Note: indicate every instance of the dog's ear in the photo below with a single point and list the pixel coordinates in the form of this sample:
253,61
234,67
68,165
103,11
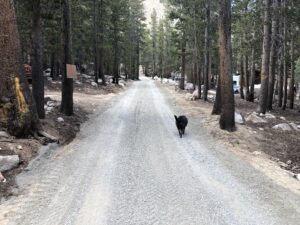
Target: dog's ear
175,117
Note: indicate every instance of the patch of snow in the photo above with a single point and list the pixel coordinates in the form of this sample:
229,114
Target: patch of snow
270,116
238,118
4,134
189,86
60,120
282,126
94,84
294,126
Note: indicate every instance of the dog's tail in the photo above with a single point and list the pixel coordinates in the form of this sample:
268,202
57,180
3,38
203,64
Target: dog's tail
176,118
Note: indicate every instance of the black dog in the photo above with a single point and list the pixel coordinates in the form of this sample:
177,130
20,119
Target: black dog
181,123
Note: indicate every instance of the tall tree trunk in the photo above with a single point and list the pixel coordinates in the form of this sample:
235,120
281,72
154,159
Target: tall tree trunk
199,79
96,67
252,84
227,121
280,79
272,57
37,64
67,83
183,52
116,57
17,108
265,60
246,73
285,66
292,80
138,59
242,77
101,44
206,52
217,109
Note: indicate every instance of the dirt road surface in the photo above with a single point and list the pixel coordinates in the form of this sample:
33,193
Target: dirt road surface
129,166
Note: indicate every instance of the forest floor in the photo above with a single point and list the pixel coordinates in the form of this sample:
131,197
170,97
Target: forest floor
87,98
260,140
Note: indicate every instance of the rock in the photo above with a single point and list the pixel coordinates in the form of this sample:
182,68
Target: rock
282,118
262,115
255,119
298,176
19,147
78,82
60,120
8,162
94,84
99,81
294,126
4,99
261,129
289,162
238,118
2,178
196,94
256,153
49,109
282,126
51,103
282,164
3,134
156,78
270,116
189,97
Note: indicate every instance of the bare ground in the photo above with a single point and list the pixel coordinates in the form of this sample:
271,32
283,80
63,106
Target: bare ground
266,148
87,99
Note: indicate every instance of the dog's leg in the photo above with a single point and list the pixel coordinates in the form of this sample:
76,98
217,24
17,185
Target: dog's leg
180,134
183,131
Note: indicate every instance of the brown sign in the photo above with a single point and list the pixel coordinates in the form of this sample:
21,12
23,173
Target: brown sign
71,71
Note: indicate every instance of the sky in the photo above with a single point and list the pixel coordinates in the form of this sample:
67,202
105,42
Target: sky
153,4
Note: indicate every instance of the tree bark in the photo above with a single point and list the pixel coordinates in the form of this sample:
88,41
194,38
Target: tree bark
285,66
101,44
252,84
227,121
183,52
37,63
217,109
292,80
280,80
67,83
246,73
18,114
96,67
272,56
242,77
206,52
265,60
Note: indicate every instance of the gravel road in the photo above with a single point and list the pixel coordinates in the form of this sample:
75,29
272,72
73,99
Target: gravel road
128,166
